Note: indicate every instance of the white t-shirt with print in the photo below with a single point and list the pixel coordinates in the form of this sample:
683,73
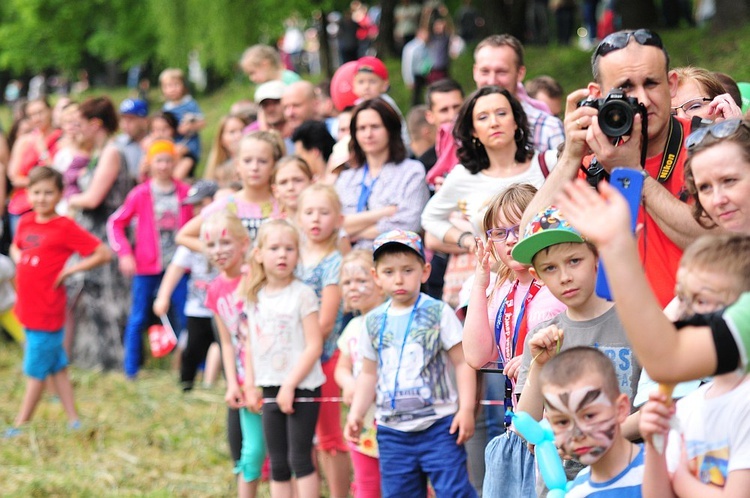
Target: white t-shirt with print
417,359
277,337
716,432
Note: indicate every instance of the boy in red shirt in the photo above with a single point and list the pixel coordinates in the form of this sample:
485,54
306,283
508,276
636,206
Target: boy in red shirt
42,245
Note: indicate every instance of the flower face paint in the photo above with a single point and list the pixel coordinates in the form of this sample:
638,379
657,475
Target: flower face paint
358,287
584,421
223,250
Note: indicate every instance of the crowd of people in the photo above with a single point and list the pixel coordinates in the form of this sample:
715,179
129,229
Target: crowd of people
436,272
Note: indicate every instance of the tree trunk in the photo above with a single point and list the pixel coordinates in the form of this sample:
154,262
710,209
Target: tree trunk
637,14
504,16
730,13
385,44
326,67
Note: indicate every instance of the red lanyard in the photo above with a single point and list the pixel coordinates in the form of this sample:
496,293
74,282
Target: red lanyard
514,336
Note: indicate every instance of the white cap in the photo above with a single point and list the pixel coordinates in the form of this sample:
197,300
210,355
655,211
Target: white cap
269,90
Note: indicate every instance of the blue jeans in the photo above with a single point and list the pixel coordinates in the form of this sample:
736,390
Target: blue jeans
589,17
408,459
143,290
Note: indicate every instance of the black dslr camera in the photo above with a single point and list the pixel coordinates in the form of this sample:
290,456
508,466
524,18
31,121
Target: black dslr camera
616,116
616,112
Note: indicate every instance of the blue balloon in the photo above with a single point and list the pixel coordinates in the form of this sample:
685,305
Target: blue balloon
550,465
528,427
547,457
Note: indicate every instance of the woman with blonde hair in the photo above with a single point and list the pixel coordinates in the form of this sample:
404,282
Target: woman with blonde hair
700,94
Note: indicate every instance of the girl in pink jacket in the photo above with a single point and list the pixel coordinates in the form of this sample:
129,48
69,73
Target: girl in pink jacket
155,211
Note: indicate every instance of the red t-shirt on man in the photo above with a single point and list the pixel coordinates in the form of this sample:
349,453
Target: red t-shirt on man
45,248
661,256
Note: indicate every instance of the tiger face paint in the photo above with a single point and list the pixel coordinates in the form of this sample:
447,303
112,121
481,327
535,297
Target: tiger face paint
584,421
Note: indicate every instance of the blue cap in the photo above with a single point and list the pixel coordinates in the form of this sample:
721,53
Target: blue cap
134,107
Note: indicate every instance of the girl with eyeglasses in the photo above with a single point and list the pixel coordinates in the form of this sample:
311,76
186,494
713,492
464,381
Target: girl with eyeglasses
505,303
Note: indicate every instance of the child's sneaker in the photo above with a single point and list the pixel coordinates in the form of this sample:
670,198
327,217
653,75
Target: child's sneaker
12,432
74,425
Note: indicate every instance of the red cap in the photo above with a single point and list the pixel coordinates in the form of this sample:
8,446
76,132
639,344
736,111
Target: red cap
373,65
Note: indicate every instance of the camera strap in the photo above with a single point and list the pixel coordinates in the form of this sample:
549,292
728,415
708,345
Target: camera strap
671,150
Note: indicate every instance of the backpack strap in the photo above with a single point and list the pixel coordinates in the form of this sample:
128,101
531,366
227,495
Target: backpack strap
543,164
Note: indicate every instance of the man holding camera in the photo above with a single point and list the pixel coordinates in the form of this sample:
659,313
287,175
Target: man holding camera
637,63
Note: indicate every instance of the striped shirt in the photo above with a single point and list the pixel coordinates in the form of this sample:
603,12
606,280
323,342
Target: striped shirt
625,485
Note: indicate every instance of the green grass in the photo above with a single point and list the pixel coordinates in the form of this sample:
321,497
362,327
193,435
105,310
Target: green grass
141,438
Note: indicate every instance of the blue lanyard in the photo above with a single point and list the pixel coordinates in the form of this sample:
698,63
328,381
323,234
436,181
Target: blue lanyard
500,320
403,345
519,320
365,190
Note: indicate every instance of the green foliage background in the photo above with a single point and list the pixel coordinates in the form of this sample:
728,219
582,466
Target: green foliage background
62,35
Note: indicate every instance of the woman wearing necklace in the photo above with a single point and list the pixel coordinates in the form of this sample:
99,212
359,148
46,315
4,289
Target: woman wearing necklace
383,190
495,152
98,298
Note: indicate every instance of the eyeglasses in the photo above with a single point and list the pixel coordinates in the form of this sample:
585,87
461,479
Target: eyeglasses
691,106
722,129
502,234
705,301
619,40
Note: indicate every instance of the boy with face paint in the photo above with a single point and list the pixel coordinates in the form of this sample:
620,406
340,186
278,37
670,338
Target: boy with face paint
713,421
567,265
585,408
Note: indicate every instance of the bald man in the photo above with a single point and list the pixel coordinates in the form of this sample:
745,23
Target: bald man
298,102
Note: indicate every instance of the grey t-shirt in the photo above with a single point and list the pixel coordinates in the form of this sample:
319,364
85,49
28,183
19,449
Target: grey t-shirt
167,216
605,333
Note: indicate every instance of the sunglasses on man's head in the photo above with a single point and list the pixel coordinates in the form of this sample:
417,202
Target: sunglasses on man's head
722,129
620,40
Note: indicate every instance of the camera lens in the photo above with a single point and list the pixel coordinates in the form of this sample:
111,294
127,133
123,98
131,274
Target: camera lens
616,118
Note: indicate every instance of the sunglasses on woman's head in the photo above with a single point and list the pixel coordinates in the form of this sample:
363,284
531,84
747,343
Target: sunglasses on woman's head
620,40
722,129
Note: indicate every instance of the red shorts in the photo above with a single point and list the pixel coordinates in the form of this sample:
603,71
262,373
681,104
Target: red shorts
329,430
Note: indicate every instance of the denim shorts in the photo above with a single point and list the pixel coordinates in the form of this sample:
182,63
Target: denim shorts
408,459
44,354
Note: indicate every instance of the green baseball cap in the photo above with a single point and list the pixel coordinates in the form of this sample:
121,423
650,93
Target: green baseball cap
546,229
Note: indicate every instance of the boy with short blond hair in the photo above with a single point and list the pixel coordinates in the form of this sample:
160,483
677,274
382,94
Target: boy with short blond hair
406,346
41,247
567,265
585,408
181,104
714,420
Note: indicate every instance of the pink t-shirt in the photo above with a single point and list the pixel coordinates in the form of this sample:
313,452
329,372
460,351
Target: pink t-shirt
222,299
543,307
